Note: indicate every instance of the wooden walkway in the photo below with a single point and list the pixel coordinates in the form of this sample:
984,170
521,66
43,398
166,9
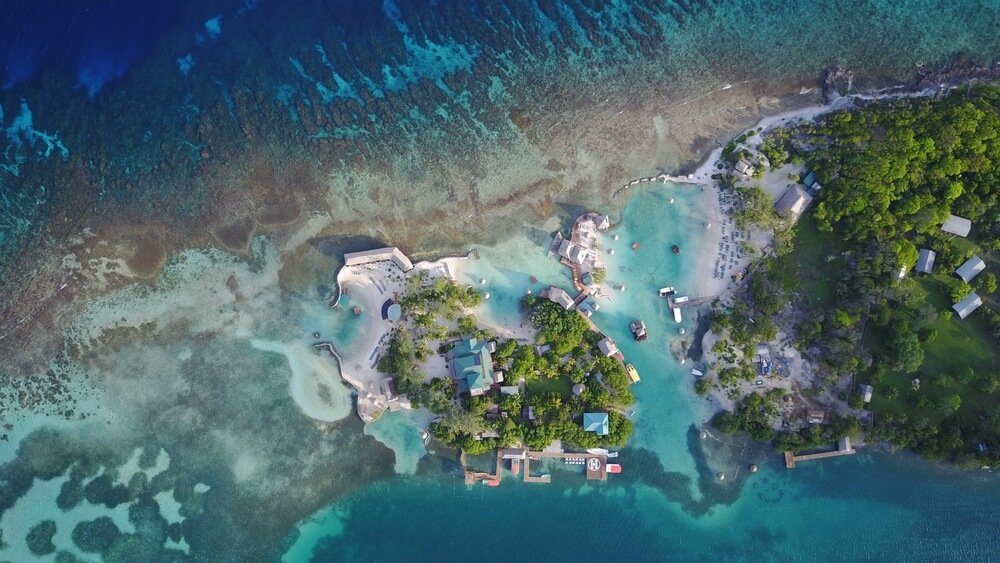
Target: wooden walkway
843,448
596,465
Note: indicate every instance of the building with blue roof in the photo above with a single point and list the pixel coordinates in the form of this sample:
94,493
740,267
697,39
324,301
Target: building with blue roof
472,362
596,422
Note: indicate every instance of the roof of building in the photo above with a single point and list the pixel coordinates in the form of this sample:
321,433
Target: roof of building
578,389
572,252
794,200
966,306
377,255
925,262
596,422
510,390
743,166
472,362
513,453
957,226
810,179
607,346
559,296
971,268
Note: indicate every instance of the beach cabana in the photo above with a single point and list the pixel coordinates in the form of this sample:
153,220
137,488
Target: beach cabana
744,167
957,226
559,296
966,306
793,202
925,262
607,346
596,422
970,269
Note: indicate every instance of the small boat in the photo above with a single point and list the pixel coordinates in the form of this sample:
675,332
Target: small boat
633,375
614,468
666,291
697,372
638,329
677,314
492,483
681,299
597,451
612,454
675,249
545,476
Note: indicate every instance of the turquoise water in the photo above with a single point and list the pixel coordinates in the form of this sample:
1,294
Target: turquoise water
870,507
667,504
431,125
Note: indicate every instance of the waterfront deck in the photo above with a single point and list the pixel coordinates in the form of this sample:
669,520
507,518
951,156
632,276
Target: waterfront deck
843,448
596,466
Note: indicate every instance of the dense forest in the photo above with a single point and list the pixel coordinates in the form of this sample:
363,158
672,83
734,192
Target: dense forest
891,174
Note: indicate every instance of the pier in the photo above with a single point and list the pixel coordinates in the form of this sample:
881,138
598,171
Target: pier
843,448
596,466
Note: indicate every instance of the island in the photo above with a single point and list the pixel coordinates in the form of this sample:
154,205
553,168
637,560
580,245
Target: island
555,383
872,314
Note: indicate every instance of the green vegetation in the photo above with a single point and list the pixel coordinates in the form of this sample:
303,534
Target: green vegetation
891,174
547,410
753,415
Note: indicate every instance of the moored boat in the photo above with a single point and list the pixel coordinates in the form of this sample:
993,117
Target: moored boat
666,291
675,249
614,468
697,372
638,329
633,375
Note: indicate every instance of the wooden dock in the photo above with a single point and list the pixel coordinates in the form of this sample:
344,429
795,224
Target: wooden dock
843,448
596,465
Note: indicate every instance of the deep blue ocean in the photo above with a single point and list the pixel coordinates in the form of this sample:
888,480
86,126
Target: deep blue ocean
164,435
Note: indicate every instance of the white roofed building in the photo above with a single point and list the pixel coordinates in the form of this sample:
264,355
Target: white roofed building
957,226
559,296
390,253
607,346
966,306
925,262
793,202
970,269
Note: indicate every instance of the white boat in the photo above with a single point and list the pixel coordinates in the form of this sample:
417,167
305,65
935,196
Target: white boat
677,314
666,291
682,299
597,451
697,372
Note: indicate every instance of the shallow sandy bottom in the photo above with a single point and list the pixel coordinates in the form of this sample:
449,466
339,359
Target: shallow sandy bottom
315,385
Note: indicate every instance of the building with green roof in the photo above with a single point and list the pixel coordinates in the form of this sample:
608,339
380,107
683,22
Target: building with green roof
596,422
472,362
